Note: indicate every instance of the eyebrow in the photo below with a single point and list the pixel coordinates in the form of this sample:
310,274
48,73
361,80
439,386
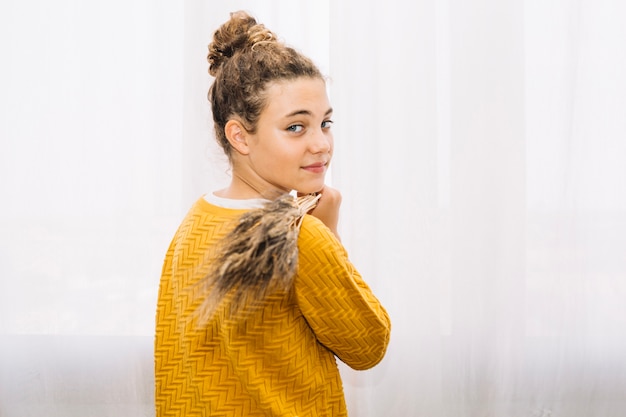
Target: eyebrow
307,113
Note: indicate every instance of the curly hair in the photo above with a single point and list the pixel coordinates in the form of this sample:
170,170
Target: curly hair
244,57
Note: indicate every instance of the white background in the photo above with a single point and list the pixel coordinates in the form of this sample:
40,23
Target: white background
480,149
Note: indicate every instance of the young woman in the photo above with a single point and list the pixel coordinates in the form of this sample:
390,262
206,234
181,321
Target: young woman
257,295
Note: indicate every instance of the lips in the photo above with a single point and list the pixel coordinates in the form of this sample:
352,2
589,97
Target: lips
317,168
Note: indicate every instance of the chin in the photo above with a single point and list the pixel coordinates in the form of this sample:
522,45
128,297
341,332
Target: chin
310,189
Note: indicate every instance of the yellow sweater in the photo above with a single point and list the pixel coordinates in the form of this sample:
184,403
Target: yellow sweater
281,360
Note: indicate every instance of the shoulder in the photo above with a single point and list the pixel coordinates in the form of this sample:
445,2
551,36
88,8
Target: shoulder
316,240
204,212
206,218
314,228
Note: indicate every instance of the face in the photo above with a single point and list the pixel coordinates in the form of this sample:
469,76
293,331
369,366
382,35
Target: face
293,144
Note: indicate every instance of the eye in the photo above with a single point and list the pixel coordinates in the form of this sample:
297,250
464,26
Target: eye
295,128
326,124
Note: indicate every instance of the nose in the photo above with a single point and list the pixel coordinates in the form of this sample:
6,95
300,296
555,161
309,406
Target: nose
321,141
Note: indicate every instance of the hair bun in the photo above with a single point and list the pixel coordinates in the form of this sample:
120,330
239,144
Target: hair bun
238,34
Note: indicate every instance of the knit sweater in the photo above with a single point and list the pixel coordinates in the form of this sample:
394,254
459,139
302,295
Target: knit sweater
280,359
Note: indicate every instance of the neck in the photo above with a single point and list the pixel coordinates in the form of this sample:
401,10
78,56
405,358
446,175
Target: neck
243,188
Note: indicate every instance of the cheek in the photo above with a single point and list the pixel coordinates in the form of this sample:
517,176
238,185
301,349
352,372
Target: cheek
281,157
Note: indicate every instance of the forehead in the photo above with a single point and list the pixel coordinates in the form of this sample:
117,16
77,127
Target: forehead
298,94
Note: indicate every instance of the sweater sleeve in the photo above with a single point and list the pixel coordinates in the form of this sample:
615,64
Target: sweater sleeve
338,305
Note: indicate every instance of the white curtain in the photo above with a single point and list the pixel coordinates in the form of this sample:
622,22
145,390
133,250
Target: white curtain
480,149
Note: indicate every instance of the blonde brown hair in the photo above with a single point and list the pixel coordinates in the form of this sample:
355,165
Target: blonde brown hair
244,57
260,255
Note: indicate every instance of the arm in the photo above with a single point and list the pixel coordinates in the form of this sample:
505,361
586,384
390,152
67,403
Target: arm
340,308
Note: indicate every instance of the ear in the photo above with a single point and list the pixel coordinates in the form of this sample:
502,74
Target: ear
237,136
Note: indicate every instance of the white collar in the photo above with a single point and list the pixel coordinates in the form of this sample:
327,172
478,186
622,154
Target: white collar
230,203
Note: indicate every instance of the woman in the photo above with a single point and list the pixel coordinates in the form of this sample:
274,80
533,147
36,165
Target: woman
257,297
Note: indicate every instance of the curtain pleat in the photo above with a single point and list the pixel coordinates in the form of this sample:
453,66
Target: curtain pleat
479,149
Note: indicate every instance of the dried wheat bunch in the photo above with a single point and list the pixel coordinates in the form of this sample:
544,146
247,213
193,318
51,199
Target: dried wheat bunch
258,257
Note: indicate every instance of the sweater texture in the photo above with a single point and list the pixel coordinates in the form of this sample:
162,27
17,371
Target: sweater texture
279,358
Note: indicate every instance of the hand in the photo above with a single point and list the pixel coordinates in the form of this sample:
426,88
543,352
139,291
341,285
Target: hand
327,209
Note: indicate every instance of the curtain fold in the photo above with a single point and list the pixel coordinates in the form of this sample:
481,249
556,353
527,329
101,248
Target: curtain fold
480,152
